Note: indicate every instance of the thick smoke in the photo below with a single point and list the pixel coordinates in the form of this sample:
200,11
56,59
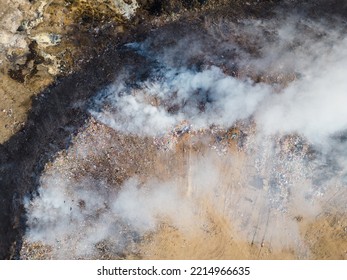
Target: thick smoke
312,105
290,167
203,98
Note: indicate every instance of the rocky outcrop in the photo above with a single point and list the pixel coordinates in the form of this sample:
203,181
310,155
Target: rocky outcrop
41,40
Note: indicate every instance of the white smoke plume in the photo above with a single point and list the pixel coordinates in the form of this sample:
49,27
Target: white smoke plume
312,105
204,98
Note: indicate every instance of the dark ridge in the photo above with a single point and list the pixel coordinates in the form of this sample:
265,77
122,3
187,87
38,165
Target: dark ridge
159,7
24,71
155,8
315,9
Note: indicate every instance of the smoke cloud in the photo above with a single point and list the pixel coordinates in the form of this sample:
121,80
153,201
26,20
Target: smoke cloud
312,105
204,98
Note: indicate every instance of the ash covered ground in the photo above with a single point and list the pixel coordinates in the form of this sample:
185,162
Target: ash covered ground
206,131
